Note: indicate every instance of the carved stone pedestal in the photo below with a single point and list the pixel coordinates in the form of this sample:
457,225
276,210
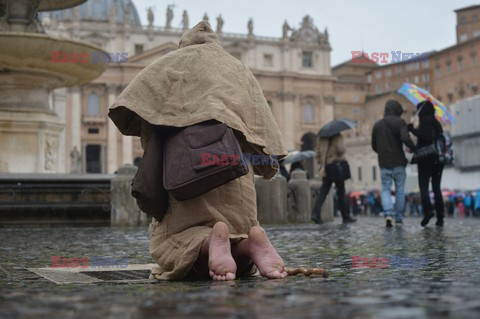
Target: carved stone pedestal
30,141
124,209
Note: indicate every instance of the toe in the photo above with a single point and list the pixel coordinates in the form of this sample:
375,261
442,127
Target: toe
230,276
272,275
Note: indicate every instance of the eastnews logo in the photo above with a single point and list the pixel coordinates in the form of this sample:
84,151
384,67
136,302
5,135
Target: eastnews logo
382,57
391,262
82,57
209,159
96,262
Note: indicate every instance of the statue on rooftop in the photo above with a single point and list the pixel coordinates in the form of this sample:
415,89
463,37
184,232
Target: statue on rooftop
150,16
219,24
169,17
285,29
185,20
250,27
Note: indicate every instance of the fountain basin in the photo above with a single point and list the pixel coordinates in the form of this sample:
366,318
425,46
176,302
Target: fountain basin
50,5
30,54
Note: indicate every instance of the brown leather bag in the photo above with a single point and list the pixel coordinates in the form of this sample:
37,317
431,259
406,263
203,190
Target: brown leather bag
201,157
147,185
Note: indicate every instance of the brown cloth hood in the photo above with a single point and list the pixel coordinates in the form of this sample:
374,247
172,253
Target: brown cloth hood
198,82
200,34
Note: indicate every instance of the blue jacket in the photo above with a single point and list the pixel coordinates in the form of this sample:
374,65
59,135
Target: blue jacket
468,201
477,199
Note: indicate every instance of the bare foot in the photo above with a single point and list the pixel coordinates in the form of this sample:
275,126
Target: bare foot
264,255
221,264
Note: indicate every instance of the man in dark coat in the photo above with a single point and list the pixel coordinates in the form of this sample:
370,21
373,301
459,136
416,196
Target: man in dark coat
388,136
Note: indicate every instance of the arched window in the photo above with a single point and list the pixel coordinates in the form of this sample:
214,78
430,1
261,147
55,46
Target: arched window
308,114
93,105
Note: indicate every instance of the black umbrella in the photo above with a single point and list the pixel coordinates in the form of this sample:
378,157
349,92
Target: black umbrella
336,126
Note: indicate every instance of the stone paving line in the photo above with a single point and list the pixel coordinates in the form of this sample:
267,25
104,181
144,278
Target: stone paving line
447,287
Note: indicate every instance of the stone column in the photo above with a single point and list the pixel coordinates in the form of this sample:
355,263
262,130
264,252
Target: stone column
127,150
286,55
328,112
60,107
75,123
289,120
112,141
299,208
271,199
288,99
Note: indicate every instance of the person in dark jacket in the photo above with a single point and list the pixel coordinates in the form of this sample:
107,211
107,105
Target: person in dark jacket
468,201
429,168
476,204
388,136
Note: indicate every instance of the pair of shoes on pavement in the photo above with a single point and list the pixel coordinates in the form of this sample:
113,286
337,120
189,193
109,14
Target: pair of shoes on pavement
427,218
439,222
317,221
349,219
388,222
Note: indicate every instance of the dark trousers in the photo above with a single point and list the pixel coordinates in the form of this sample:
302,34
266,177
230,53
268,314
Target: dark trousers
433,172
342,204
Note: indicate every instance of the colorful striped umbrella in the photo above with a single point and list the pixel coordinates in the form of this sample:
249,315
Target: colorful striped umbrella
416,95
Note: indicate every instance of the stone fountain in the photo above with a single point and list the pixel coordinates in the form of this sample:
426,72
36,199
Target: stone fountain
29,128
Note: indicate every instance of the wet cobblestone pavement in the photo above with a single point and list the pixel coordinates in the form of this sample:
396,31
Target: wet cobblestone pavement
448,287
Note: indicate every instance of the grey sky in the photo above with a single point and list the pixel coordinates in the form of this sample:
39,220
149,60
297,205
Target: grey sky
371,25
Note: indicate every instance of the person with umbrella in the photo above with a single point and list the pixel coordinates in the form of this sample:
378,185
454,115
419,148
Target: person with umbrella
388,136
429,167
330,151
297,159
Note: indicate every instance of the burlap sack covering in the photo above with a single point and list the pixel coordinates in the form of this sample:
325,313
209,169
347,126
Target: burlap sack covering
175,242
198,82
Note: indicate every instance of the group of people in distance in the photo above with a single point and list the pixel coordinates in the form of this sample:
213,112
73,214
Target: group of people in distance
388,137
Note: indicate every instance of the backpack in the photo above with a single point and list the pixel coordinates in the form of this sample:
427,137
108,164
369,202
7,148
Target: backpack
444,147
188,170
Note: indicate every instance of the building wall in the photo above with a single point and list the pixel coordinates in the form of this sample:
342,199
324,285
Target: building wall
468,23
456,72
389,78
301,96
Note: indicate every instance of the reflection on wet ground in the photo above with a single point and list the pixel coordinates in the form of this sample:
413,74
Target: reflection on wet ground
448,287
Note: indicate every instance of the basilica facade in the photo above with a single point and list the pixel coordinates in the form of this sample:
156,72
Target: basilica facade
293,70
